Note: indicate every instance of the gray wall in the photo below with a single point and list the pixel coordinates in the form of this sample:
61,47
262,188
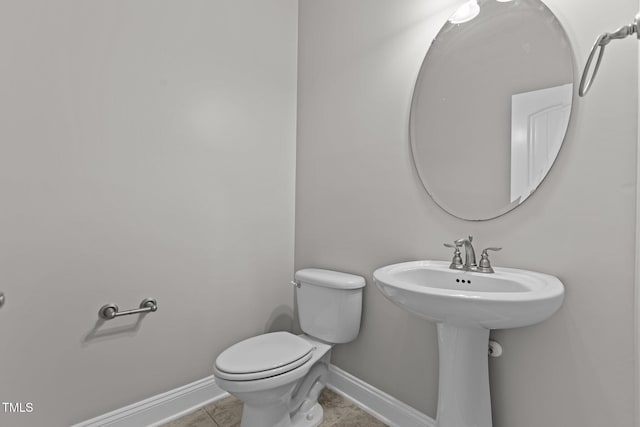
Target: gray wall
360,205
147,148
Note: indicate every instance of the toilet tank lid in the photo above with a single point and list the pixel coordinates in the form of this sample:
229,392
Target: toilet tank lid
329,278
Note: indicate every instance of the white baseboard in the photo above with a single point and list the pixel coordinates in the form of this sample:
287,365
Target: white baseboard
384,407
161,408
173,404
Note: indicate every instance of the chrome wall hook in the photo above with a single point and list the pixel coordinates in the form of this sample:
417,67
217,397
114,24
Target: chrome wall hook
111,311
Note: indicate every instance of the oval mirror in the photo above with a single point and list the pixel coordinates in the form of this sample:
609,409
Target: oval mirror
491,106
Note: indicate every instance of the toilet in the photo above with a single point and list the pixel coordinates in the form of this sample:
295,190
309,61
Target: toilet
279,375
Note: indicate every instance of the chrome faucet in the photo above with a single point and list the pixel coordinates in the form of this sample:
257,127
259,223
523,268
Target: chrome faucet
469,253
470,257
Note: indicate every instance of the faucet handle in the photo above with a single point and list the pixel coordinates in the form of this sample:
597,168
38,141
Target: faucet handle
456,262
484,251
485,265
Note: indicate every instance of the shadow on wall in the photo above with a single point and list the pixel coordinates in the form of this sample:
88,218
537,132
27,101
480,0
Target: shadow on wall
100,332
281,319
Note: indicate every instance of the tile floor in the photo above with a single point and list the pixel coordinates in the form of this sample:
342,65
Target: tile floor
338,412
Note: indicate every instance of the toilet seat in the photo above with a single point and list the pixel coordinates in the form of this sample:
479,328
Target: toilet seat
263,356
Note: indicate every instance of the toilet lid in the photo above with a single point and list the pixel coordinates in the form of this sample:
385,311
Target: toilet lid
267,352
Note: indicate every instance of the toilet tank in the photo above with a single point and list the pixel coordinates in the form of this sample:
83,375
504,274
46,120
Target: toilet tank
329,304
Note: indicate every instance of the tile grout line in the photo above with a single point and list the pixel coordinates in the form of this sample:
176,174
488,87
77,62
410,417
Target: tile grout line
210,414
210,417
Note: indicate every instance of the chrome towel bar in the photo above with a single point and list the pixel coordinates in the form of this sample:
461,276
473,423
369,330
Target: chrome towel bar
110,311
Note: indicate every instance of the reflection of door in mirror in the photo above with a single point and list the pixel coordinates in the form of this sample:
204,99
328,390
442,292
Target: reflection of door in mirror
538,122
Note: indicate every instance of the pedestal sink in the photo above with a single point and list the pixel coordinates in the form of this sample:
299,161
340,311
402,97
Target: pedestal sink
466,305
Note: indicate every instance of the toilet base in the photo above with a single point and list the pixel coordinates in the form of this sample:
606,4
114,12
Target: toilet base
273,415
277,416
311,418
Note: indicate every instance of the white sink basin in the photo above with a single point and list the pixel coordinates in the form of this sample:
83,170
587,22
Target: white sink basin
466,305
508,298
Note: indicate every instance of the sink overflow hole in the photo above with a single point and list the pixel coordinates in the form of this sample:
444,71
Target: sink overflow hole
463,281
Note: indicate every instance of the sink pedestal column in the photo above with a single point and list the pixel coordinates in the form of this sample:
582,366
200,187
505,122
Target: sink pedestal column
463,386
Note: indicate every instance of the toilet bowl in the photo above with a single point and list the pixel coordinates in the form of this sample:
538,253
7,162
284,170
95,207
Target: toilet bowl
279,375
272,397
